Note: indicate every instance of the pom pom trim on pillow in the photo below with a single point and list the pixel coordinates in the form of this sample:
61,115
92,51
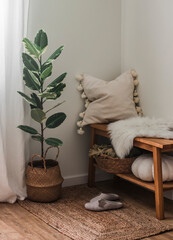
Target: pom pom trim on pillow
136,98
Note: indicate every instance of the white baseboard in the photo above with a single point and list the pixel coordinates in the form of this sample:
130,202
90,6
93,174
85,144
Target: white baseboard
100,176
83,179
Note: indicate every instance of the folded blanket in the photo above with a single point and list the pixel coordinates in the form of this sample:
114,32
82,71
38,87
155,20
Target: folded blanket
123,132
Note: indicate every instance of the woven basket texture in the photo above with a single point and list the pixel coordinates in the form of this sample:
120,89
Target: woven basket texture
43,185
44,194
114,165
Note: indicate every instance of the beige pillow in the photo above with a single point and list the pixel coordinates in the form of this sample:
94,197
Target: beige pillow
108,101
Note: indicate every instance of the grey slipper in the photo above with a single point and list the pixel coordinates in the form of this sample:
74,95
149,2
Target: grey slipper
103,205
105,196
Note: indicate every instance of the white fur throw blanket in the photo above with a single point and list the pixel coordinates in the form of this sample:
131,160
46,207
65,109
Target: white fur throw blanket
123,132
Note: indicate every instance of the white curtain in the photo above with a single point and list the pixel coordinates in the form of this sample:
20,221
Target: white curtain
12,158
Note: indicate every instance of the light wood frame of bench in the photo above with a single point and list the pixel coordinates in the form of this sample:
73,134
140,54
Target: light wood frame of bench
154,145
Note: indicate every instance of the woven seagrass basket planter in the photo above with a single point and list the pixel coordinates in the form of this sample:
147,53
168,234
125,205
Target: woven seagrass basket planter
43,179
114,165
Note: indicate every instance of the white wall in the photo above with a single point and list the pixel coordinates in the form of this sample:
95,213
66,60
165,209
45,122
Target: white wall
91,33
147,46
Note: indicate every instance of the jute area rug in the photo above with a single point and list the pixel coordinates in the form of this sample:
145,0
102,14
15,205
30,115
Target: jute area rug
69,217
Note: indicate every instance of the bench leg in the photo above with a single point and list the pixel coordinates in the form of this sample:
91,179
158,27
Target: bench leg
91,173
159,200
91,168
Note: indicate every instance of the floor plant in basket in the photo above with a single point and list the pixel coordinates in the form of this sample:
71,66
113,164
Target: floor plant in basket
43,177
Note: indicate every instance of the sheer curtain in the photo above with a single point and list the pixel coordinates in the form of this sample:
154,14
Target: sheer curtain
12,158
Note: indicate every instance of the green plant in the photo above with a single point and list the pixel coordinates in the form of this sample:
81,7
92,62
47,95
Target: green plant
35,74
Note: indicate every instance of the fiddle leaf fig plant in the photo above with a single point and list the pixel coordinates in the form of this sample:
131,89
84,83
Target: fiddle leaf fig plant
35,75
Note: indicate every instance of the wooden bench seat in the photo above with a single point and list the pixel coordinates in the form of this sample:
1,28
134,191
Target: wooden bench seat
154,145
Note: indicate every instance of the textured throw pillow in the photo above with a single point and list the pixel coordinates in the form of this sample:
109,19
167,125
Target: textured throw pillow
108,101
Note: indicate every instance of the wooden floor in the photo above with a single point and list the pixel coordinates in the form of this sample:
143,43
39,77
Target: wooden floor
18,224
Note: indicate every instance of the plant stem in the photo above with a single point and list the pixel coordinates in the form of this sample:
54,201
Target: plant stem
42,140
42,127
54,107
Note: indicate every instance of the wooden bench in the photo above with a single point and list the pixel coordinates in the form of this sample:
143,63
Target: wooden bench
154,145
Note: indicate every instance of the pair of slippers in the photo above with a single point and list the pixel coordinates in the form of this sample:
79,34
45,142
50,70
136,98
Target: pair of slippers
103,202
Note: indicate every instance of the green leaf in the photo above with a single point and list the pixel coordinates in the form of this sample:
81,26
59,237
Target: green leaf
54,142
45,66
30,47
58,89
56,81
37,138
28,99
49,95
29,62
55,54
28,129
53,97
37,100
34,77
58,94
55,120
31,80
47,71
32,106
38,115
41,40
